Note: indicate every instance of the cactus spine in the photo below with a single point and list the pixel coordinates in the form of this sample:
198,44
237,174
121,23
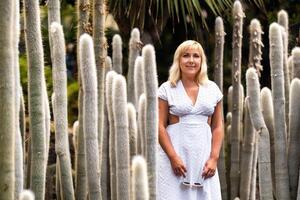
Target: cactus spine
276,63
122,137
134,52
151,128
139,179
90,114
294,142
117,55
264,161
7,127
132,129
296,62
61,114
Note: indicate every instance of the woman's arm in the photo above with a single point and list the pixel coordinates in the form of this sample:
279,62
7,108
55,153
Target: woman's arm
165,141
217,138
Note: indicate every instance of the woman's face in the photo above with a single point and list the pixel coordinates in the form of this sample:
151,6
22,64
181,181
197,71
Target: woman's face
190,62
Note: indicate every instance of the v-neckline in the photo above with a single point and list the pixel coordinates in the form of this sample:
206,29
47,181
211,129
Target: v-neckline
188,97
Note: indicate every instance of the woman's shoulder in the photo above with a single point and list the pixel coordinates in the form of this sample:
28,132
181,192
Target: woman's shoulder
167,85
210,83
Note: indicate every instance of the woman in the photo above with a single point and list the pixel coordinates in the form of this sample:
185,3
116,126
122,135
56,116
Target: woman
190,129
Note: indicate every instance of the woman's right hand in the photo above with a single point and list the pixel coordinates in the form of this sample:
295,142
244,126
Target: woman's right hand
178,166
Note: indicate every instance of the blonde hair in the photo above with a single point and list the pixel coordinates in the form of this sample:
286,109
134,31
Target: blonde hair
175,71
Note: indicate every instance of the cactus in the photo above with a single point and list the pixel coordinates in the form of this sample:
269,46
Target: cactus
139,84
61,114
139,179
267,111
37,97
238,16
253,186
90,114
7,110
122,137
132,129
296,62
108,65
276,63
112,146
294,142
247,154
26,195
218,78
264,161
141,137
229,99
255,46
100,46
117,55
151,129
134,52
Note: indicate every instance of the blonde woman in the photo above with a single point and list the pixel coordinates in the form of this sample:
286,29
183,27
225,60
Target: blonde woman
190,129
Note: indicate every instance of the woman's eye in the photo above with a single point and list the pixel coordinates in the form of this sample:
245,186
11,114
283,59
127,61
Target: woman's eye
185,55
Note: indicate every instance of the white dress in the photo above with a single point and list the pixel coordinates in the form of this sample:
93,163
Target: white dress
191,139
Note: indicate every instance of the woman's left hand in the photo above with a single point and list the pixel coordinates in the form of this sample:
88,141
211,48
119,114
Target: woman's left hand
209,169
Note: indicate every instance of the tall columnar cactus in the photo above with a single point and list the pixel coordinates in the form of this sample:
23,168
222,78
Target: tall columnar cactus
7,127
112,146
276,63
108,64
238,16
61,114
134,52
139,84
141,138
266,105
219,51
90,114
264,161
253,186
132,129
139,179
218,78
247,154
296,62
151,128
117,55
36,88
294,142
255,46
120,115
229,99
26,195
100,46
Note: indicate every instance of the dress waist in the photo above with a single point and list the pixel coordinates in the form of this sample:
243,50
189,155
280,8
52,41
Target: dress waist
193,119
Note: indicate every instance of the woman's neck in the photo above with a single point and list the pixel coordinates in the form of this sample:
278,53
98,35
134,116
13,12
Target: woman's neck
188,81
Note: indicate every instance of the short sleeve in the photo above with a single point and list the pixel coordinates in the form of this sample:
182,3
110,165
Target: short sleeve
219,94
162,92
